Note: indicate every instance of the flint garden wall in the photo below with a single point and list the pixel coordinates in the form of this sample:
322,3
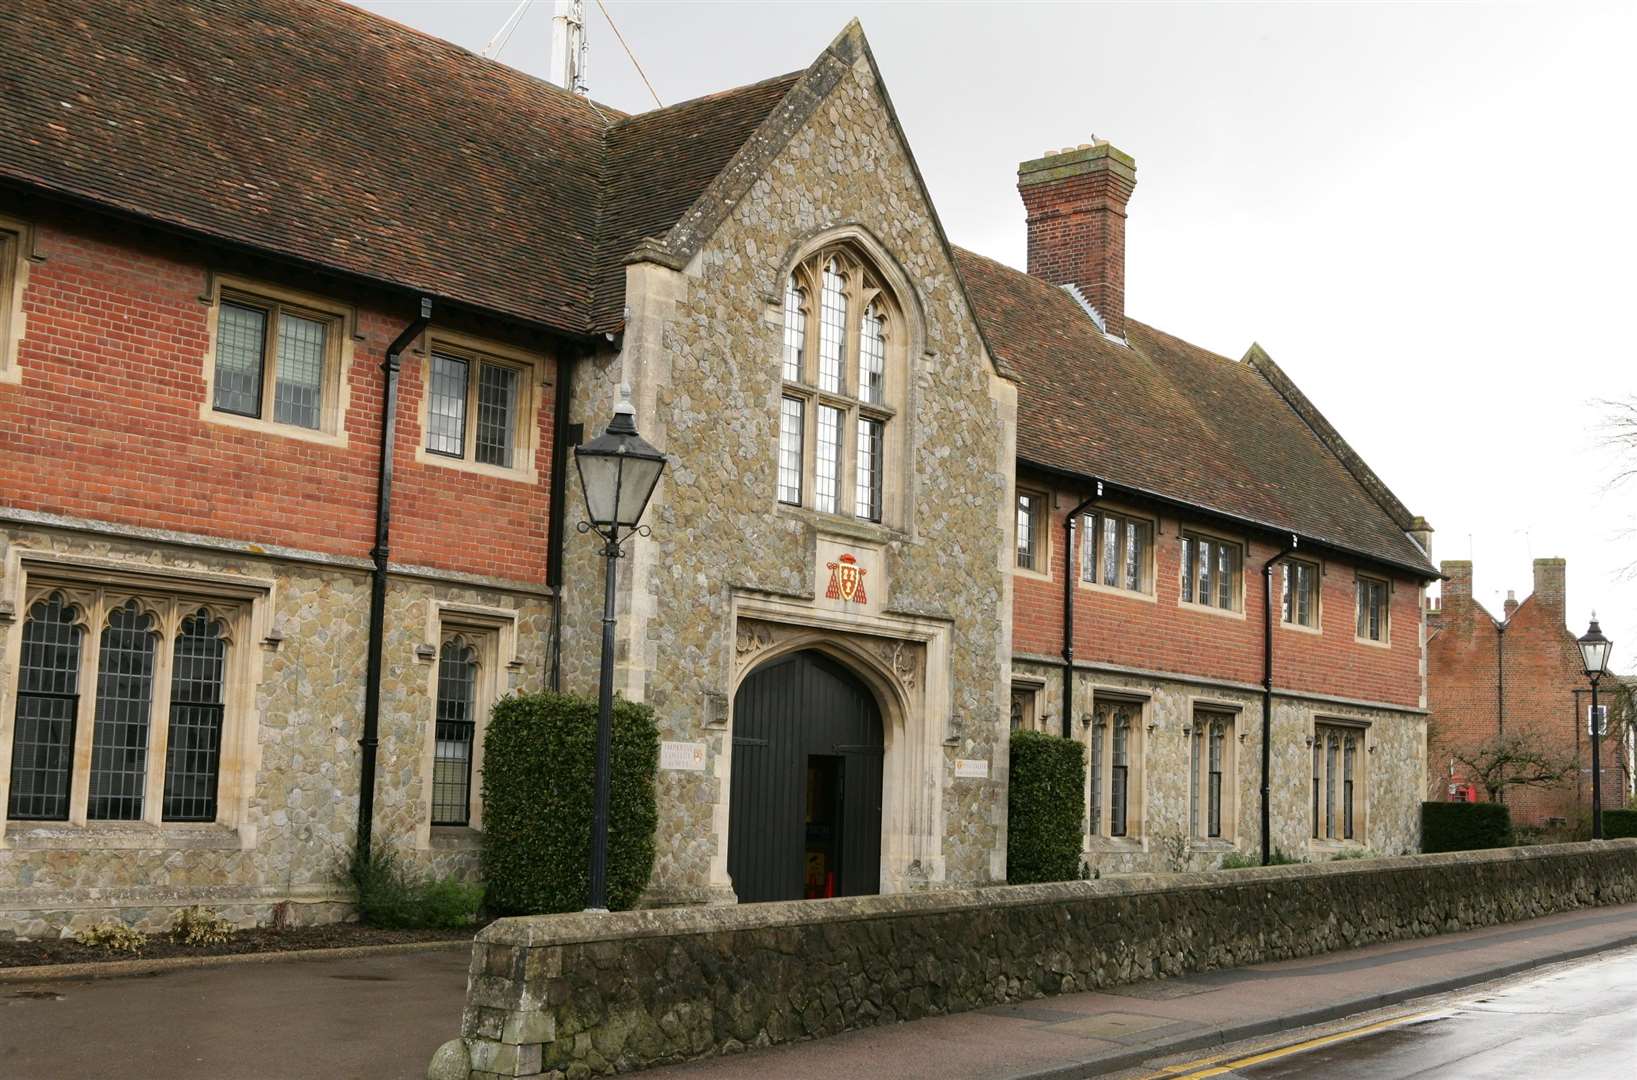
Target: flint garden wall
570,996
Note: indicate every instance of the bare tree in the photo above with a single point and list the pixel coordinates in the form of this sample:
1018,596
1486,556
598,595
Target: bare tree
1619,437
1516,759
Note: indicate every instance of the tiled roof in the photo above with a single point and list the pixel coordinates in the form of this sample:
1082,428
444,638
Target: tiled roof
311,129
1171,419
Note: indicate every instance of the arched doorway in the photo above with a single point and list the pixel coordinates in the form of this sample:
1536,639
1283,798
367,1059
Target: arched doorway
805,807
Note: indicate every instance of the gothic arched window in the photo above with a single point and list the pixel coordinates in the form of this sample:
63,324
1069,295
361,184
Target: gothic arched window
841,351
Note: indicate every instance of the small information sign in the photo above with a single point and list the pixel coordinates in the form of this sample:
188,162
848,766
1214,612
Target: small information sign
682,756
971,769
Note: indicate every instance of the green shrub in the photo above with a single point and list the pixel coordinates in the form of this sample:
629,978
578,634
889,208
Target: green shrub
114,937
539,763
1045,808
1235,860
1618,823
1352,853
1461,826
389,896
199,926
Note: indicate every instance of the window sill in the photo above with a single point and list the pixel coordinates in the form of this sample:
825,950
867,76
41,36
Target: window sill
842,525
121,836
259,426
1300,629
1114,845
1335,847
1372,643
456,838
526,474
1206,609
1212,846
1110,590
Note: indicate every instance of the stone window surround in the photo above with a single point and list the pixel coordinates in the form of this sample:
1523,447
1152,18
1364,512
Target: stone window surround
243,604
906,661
493,631
1047,499
1136,833
865,282
1236,736
1386,584
1238,610
16,245
1362,727
342,320
1318,568
531,395
1027,692
1150,569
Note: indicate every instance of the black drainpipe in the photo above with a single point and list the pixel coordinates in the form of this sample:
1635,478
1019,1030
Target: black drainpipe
564,437
378,580
1500,678
1267,695
1069,578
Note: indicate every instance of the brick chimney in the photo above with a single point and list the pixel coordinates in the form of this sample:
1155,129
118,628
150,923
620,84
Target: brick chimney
1550,586
1076,200
1511,605
1457,587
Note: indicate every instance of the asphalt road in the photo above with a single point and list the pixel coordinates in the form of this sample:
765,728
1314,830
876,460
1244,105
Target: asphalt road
1580,1020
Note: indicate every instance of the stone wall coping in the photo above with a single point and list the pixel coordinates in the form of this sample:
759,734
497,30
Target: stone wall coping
541,931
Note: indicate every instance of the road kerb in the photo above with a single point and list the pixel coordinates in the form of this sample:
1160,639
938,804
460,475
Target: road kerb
117,969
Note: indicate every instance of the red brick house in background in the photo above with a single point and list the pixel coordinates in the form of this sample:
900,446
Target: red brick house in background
1521,672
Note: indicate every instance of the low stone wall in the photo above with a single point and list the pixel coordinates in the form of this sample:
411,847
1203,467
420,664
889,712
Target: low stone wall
570,996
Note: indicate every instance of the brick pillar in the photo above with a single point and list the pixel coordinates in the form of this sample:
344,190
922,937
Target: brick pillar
1076,203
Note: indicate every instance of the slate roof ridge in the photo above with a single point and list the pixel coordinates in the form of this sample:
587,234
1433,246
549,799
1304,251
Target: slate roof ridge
1257,359
715,95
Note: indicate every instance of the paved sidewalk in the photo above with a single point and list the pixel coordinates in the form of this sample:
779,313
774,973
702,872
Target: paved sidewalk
1079,1035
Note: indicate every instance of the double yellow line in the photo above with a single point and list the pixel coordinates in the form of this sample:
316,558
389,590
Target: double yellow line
1215,1066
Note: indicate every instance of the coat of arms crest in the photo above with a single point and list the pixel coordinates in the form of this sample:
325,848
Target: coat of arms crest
847,581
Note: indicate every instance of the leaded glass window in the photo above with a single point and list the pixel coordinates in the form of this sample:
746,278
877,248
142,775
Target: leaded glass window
1096,806
193,747
1210,776
837,350
1115,756
1372,609
300,383
455,734
1336,764
1028,530
48,696
1349,753
867,500
119,734
265,352
446,406
496,415
1211,572
1119,774
792,424
1116,551
1213,792
1300,593
1332,746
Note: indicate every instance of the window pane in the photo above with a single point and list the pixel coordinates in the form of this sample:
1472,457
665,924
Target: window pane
832,328
827,470
119,737
1330,787
240,340
1111,550
446,407
1363,602
1119,771
194,748
1088,548
1187,568
872,355
1348,746
795,331
1025,532
456,727
1135,546
48,697
1206,559
1285,594
1197,743
868,496
1304,594
299,384
1318,779
496,414
1097,777
1214,796
1225,575
791,416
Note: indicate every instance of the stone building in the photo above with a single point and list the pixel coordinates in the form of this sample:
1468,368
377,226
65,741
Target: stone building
1520,673
245,246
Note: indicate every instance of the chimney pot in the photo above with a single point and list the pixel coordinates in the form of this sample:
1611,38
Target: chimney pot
1076,205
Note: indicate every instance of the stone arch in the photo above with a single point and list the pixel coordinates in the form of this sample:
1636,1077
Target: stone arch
881,260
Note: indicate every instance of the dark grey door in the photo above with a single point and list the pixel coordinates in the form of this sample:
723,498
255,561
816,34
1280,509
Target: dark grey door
805,809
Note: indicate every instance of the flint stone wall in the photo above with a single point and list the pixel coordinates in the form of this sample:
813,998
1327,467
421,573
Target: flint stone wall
571,996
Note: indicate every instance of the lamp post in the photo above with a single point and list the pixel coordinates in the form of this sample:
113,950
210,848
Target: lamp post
618,473
1594,653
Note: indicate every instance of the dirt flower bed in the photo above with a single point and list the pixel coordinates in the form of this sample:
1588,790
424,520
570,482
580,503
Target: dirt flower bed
14,954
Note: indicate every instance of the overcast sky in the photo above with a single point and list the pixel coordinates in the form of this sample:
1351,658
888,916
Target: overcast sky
1423,211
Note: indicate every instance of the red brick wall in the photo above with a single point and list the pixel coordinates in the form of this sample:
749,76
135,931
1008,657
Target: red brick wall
105,424
1164,635
1525,677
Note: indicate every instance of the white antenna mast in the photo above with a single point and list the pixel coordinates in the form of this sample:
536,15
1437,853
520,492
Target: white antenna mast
504,34
568,46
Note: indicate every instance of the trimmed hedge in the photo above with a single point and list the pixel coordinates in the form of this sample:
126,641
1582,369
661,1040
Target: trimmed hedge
539,777
1045,808
1462,826
1618,823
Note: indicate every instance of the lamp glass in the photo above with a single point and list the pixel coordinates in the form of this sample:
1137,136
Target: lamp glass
1595,649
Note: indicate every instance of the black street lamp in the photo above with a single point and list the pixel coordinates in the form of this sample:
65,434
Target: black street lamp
1594,652
618,473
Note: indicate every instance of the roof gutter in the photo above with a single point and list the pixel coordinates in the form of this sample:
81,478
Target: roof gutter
1420,573
1069,524
378,579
